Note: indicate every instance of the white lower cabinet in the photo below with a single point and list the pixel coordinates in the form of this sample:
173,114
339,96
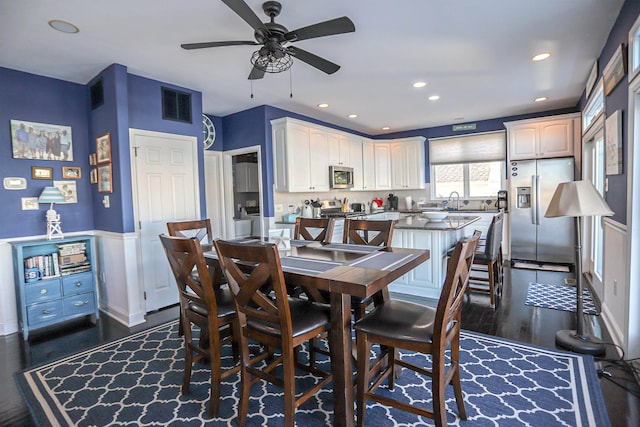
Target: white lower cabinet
425,280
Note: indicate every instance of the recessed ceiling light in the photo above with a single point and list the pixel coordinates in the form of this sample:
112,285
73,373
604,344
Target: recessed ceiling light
63,26
542,98
353,116
419,84
541,56
434,97
323,105
386,128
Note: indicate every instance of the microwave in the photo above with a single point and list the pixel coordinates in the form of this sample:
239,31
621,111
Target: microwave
340,177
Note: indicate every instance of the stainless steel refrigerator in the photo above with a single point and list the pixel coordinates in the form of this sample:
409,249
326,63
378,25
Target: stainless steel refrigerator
534,237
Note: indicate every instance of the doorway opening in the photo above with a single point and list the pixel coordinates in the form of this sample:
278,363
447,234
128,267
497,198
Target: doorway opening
244,192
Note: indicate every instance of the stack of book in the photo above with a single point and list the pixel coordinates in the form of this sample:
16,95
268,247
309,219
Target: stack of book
72,258
47,264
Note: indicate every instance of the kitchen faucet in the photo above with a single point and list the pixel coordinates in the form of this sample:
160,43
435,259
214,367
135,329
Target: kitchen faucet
457,199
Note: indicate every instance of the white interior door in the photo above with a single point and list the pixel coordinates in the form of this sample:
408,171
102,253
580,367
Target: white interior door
166,188
214,191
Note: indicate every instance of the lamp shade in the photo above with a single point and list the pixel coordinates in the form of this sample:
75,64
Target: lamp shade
577,199
51,195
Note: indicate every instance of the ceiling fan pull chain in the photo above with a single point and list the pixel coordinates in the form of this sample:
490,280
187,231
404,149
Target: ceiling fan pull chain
290,85
251,81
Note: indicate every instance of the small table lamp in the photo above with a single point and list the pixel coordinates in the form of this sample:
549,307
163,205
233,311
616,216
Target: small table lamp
52,195
578,199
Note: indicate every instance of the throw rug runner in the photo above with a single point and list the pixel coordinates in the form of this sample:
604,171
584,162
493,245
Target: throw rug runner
559,297
136,380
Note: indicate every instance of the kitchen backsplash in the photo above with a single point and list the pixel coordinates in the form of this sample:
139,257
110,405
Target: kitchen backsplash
290,201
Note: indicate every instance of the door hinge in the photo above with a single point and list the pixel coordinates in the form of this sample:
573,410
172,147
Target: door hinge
139,225
135,151
145,295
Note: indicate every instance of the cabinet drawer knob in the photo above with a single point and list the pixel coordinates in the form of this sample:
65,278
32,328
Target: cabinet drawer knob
43,291
46,311
78,284
81,303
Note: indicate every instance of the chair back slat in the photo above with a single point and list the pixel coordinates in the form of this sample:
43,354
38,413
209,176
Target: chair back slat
200,229
368,232
185,256
319,229
255,277
455,285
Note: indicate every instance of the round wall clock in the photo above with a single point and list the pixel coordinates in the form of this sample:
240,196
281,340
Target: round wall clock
208,132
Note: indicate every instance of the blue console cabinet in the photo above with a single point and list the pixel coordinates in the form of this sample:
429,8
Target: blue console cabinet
55,281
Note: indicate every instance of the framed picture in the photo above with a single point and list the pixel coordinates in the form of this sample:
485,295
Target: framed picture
615,70
105,184
40,172
103,148
40,141
68,190
71,172
613,143
92,159
30,204
93,175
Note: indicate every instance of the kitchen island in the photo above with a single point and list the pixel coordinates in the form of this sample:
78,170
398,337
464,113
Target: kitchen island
415,231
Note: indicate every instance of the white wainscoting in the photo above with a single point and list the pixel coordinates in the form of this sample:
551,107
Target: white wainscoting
121,292
615,298
8,313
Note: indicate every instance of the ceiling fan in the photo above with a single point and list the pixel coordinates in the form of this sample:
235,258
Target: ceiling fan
274,56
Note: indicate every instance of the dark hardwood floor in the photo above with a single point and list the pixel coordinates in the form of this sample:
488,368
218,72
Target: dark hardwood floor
511,319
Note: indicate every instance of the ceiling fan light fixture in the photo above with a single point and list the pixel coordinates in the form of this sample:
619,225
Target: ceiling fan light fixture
272,62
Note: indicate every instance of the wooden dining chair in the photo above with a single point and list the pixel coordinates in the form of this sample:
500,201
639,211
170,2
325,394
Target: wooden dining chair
358,232
211,309
488,256
371,233
266,315
318,229
398,324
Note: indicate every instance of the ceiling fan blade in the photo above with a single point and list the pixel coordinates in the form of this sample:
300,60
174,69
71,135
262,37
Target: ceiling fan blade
327,28
190,46
244,11
256,73
313,60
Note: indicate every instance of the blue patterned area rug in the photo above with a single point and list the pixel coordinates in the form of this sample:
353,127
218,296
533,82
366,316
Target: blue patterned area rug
136,381
559,297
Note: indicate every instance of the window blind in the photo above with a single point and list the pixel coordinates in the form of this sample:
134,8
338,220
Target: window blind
479,147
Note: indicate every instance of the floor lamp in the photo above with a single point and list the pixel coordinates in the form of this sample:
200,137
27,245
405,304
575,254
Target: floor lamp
578,199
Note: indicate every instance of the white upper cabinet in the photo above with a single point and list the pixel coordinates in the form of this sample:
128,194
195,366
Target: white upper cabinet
382,165
303,152
408,164
246,178
301,162
543,137
339,149
368,165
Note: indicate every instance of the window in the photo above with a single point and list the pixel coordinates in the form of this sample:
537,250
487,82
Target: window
472,165
594,107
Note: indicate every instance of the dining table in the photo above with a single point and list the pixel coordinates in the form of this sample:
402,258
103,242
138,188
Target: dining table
345,271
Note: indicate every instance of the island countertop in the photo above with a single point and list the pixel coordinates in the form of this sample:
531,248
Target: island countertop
454,221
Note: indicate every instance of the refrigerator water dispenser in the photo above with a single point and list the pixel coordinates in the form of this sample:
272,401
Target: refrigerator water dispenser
523,197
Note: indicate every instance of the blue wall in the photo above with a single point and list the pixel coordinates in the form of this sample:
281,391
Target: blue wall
40,99
129,101
618,99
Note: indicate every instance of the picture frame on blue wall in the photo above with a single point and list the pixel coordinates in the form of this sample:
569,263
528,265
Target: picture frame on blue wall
40,172
41,141
103,148
93,175
105,181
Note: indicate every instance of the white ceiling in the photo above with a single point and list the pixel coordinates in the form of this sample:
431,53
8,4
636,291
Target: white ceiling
475,54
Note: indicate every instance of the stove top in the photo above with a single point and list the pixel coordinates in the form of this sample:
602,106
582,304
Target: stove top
337,213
